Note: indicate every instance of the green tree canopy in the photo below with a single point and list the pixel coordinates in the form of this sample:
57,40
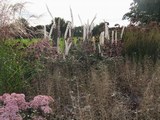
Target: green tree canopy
144,11
98,29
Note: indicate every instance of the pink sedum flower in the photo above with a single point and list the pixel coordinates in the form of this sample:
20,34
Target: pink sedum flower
38,118
21,102
2,110
14,103
46,109
10,110
42,102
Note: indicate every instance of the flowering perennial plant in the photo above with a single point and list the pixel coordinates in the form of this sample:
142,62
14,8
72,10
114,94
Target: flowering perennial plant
12,105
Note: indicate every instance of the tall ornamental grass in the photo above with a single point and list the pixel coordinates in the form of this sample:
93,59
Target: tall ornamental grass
142,42
14,69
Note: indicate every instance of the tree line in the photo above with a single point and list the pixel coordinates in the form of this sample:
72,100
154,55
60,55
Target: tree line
141,11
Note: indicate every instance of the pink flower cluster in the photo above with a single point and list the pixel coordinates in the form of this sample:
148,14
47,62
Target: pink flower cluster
13,104
42,102
42,48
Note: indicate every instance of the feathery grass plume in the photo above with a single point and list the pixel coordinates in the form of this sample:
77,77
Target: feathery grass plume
116,32
107,31
80,20
91,24
58,27
93,19
53,21
50,13
112,37
51,30
101,38
58,46
99,49
87,30
58,38
68,41
94,43
67,46
45,32
72,21
9,14
18,28
91,28
116,36
66,31
84,33
122,32
70,31
17,8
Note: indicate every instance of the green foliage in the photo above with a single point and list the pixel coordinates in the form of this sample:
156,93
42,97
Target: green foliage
98,29
61,45
20,43
78,31
13,70
144,11
55,33
16,71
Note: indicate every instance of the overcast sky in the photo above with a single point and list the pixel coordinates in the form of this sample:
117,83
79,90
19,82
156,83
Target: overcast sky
109,10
